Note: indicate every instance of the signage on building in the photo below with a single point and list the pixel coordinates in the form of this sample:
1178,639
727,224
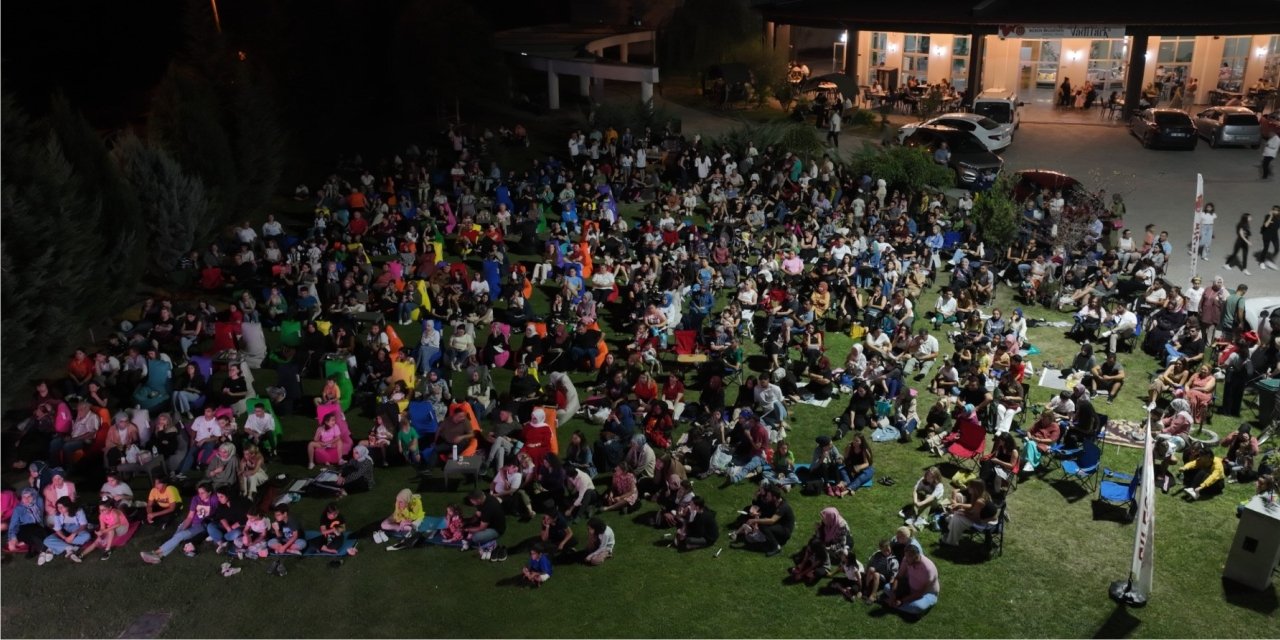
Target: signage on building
1049,31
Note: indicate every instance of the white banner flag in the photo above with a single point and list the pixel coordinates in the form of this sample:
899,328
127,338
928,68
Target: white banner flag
1144,550
1195,224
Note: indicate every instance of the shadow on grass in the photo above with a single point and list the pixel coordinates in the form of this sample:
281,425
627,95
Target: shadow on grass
1120,624
1070,490
512,581
1238,595
1105,512
969,552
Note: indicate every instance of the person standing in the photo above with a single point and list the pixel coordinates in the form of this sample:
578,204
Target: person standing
1270,239
833,129
1205,217
1269,150
1241,246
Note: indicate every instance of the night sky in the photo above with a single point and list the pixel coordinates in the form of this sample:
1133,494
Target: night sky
107,55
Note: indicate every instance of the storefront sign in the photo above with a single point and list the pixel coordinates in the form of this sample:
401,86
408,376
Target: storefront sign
1050,31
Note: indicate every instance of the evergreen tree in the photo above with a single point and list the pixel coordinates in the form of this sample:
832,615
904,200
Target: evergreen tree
49,252
173,203
259,143
187,121
119,224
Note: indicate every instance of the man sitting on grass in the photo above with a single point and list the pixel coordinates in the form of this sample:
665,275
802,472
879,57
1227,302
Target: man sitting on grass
915,587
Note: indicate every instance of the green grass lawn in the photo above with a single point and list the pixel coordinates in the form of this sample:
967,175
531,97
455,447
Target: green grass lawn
1051,581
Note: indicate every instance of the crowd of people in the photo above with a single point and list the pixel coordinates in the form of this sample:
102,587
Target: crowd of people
639,310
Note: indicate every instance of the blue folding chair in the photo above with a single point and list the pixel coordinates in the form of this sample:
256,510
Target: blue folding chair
1121,490
1084,468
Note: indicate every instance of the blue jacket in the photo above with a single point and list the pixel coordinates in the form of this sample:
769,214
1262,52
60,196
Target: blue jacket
24,514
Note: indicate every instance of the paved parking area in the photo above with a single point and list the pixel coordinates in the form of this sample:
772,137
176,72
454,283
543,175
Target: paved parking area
1159,186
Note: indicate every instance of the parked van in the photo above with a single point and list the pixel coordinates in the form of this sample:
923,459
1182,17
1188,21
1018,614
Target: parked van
1001,105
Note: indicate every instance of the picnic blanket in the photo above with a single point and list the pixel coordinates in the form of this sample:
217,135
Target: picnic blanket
313,538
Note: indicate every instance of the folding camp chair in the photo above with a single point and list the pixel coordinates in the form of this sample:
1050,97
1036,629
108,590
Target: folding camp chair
966,445
992,533
423,418
1120,489
1084,469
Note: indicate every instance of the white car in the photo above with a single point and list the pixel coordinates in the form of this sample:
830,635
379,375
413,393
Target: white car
993,134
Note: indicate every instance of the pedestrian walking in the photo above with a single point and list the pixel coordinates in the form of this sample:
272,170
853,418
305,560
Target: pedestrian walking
1241,247
833,130
1269,150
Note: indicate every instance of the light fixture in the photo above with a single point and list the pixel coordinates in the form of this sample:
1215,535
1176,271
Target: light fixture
844,37
1261,52
892,47
1074,55
939,50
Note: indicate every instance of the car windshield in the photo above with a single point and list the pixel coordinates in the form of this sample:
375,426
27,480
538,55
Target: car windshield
997,111
1241,120
1166,119
964,142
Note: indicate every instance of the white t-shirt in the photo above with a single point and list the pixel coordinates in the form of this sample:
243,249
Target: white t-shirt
881,343
205,428
259,426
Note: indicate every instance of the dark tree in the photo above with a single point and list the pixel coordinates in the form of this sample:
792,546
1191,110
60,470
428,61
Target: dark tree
173,203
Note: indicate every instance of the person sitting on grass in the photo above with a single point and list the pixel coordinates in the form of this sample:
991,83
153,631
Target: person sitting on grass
556,536
600,542
284,533
356,475
880,569
227,521
831,543
486,525
1203,477
198,513
538,570
405,516
162,502
699,529
622,493
112,524
1107,376
915,587
70,530
333,528
253,542
925,499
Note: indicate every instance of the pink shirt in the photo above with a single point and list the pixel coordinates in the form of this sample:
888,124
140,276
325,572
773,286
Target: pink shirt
921,576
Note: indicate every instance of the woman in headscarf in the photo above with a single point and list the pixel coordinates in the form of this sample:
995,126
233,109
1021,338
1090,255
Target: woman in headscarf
58,487
830,545
1176,423
406,516
536,435
356,474
224,468
26,524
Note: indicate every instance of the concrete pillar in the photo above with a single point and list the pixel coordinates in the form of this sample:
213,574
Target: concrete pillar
977,53
782,40
553,90
624,51
769,28
851,56
584,86
597,89
646,92
1137,68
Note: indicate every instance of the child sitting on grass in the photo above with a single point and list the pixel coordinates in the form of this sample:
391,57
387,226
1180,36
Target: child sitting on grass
881,567
332,529
538,570
452,531
253,541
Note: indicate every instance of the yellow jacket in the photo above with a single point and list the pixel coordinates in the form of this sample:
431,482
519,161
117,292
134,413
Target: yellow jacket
1215,475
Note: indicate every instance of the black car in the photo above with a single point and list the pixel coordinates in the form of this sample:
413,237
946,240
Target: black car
976,168
1170,128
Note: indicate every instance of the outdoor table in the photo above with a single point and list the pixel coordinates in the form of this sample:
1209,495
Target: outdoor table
463,467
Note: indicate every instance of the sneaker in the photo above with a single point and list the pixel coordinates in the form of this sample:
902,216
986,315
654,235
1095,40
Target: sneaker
149,558
1246,272
498,555
221,548
44,558
1151,406
1262,266
484,555
230,571
106,555
1195,495
1027,468
1227,267
1271,265
465,545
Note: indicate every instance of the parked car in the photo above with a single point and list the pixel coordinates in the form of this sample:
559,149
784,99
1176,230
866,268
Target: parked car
976,167
1168,127
992,134
1229,125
